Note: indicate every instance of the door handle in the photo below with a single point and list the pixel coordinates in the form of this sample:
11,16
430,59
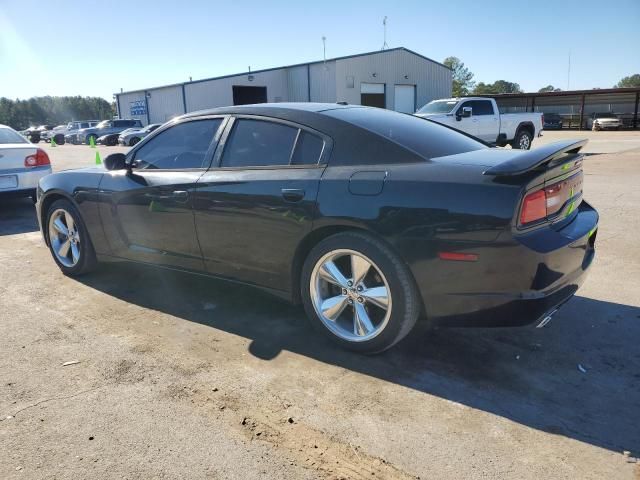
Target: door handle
292,194
176,195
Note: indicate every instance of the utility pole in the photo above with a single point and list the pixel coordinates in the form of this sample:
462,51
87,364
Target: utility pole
384,26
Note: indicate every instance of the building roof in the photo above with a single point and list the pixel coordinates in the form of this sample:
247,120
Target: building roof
287,66
564,93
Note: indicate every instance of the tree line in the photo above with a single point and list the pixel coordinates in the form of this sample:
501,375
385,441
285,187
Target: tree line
463,83
21,114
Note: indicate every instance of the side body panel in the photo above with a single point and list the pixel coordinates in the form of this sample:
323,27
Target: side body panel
81,188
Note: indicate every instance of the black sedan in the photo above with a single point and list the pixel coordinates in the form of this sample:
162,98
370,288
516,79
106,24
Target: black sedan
370,218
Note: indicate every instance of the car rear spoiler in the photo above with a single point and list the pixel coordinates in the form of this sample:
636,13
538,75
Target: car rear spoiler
532,159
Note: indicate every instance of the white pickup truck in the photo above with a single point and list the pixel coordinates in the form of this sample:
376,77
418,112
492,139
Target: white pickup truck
481,118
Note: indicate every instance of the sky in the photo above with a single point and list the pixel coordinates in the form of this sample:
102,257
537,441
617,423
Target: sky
70,47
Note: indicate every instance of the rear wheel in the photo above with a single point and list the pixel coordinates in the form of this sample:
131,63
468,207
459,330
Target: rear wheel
133,141
359,293
69,240
523,140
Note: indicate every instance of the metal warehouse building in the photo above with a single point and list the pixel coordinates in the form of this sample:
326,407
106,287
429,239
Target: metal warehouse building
397,79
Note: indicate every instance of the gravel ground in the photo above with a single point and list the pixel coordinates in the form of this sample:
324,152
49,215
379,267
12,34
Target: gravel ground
185,377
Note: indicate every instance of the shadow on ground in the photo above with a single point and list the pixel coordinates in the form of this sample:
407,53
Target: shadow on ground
17,215
526,375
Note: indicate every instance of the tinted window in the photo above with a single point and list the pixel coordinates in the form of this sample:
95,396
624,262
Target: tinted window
182,146
424,137
481,107
258,143
308,149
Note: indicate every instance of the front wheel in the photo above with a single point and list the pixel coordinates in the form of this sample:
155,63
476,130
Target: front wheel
133,141
523,140
358,292
69,240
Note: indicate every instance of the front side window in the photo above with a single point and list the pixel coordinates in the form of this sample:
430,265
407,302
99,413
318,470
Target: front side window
259,143
181,146
482,107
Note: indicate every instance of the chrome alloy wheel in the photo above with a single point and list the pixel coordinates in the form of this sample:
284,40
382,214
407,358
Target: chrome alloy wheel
525,142
64,238
350,295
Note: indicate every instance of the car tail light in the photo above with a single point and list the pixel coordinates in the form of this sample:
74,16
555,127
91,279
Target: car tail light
38,159
534,207
551,199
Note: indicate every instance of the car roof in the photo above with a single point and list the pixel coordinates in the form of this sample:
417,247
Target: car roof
270,108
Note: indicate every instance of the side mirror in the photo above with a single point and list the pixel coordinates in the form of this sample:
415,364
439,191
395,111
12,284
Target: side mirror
115,161
465,113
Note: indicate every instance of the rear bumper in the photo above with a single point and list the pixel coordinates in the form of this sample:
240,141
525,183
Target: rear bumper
519,282
21,181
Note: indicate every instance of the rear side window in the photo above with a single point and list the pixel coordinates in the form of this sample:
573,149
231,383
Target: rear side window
308,149
180,147
259,143
424,137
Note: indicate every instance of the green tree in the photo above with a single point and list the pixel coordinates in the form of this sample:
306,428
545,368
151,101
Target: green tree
21,114
462,78
630,81
499,86
549,88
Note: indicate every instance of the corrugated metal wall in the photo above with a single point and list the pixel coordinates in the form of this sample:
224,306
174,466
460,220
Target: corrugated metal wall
397,67
165,103
298,83
219,92
336,80
125,105
323,82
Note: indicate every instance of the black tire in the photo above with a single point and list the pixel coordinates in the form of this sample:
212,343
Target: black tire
406,304
34,137
59,139
88,139
523,140
111,142
133,141
87,256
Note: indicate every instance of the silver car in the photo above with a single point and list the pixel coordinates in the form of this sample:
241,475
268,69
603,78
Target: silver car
22,164
132,136
604,121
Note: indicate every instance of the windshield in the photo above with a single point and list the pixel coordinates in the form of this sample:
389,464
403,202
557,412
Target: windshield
438,106
103,124
9,136
605,115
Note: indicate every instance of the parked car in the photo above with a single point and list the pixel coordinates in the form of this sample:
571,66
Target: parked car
552,121
22,164
34,134
106,127
132,136
57,133
480,117
71,134
369,217
603,121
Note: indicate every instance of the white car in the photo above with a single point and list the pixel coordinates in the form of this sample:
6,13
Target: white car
603,121
480,117
22,164
131,136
